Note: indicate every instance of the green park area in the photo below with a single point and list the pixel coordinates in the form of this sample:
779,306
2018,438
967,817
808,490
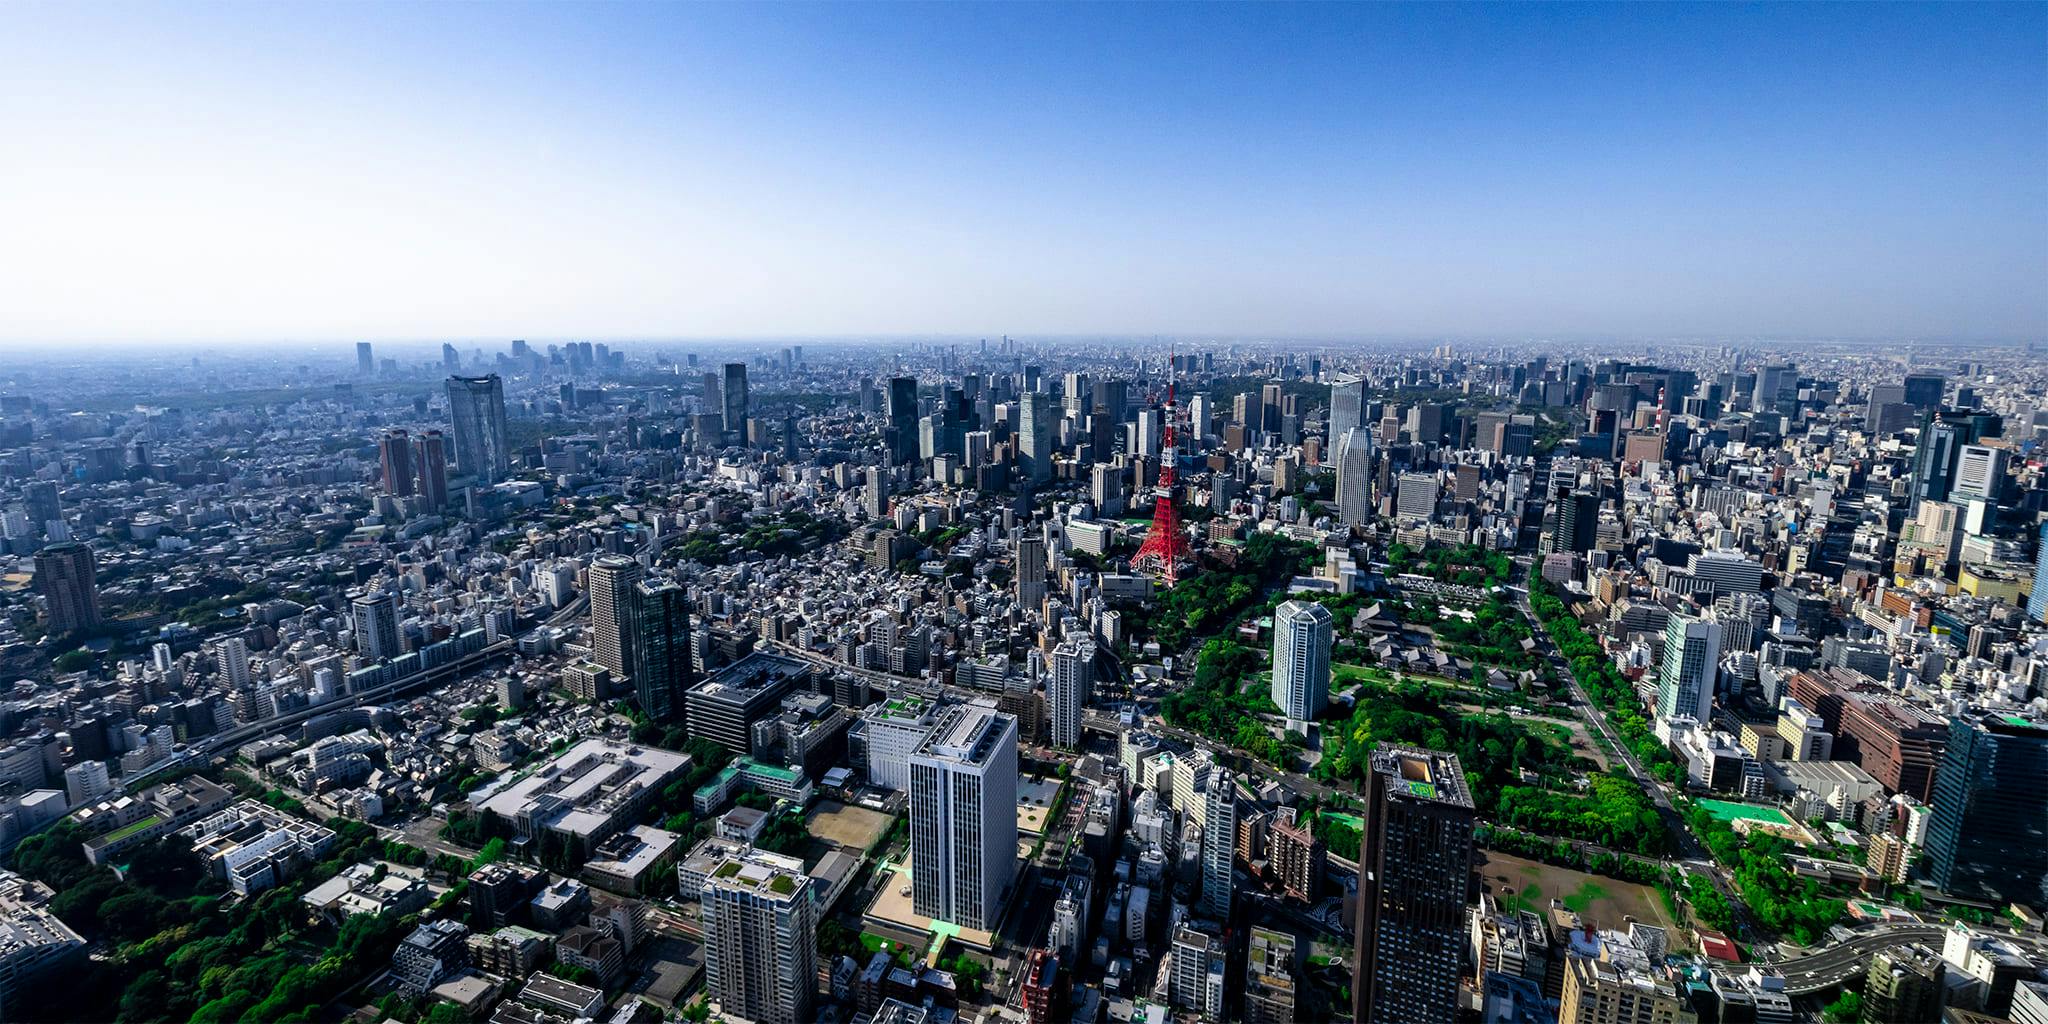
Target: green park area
1730,812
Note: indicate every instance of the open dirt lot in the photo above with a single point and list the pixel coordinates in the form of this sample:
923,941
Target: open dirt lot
1598,900
855,828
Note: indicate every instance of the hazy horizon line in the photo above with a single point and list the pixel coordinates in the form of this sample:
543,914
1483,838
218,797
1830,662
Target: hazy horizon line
630,342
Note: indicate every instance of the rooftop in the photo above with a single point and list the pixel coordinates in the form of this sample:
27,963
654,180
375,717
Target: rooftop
1423,774
582,789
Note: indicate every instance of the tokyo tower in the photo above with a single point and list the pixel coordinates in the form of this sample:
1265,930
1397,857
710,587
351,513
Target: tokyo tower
1165,547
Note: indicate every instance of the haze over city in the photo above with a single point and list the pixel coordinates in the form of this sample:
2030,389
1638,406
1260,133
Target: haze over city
251,173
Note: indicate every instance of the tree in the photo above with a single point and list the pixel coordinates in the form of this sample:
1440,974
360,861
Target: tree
490,853
1846,1009
836,940
145,997
967,974
575,974
445,1013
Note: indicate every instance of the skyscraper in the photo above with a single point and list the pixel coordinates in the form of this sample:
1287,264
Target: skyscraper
1774,384
734,396
2037,601
451,360
476,405
394,451
1030,573
1034,438
614,613
1943,435
902,414
1219,845
1111,396
1347,406
1923,390
1148,431
1415,497
231,658
1354,477
876,499
963,816
431,457
1077,396
661,653
66,576
1980,472
374,618
1302,632
39,499
1578,521
1068,689
366,363
760,938
1269,407
1415,863
1990,811
1685,678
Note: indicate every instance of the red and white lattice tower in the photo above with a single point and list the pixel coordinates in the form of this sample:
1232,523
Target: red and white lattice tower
1165,547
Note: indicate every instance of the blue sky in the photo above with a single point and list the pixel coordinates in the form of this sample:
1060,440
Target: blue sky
258,172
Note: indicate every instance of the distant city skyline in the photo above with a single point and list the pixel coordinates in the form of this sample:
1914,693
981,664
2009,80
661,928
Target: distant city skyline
245,174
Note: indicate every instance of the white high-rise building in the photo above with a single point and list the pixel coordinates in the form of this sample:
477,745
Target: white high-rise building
760,938
614,613
1731,572
1347,407
963,816
1199,415
1980,471
1685,679
375,621
890,732
1150,429
1075,396
1219,845
86,782
1354,477
1106,489
1302,634
1416,497
1068,689
231,657
558,584
1069,930
1196,983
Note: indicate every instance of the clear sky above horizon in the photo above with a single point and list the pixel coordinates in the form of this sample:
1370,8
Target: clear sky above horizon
227,172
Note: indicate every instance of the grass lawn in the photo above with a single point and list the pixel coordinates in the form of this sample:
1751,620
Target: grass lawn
133,827
897,951
1730,812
